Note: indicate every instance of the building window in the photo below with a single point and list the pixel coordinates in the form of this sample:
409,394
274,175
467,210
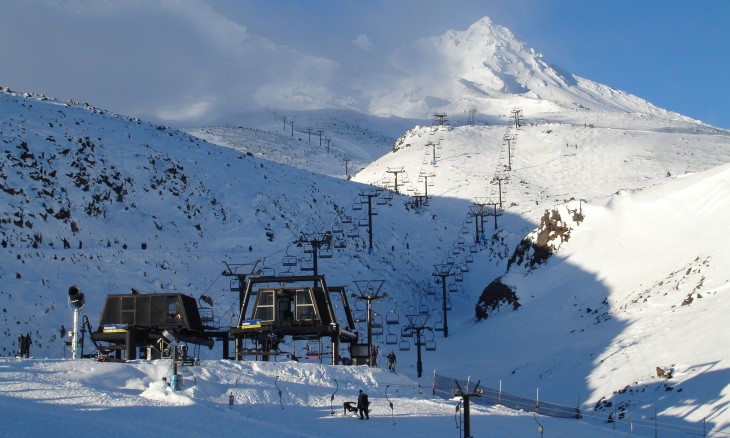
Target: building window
304,306
265,306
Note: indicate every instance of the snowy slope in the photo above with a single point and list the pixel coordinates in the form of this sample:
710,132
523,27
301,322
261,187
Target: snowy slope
610,234
145,207
330,142
580,355
122,399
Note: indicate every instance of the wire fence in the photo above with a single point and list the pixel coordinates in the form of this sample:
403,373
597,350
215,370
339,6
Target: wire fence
449,387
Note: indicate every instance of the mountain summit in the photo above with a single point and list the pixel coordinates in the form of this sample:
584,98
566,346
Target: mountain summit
486,67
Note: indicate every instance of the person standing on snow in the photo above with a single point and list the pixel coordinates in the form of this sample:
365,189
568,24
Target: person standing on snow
362,405
391,361
374,356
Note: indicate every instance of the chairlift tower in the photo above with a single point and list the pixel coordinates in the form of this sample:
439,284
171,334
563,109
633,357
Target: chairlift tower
316,241
441,119
418,325
444,270
433,148
482,202
472,115
466,395
495,211
395,171
425,177
509,152
369,291
498,180
477,211
370,194
517,115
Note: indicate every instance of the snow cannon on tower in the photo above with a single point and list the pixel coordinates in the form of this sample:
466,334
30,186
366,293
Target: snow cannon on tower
76,302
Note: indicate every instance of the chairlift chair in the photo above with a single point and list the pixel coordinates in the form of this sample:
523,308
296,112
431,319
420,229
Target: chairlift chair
392,317
325,253
469,258
404,345
357,206
391,339
306,265
405,331
289,261
473,249
430,345
453,288
423,309
313,350
266,272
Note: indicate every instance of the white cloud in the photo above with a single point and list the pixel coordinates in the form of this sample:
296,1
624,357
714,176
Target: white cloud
363,42
181,62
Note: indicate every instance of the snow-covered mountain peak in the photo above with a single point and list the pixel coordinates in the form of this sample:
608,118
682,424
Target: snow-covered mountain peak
487,68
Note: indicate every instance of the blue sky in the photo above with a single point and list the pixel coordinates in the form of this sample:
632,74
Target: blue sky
151,58
673,53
